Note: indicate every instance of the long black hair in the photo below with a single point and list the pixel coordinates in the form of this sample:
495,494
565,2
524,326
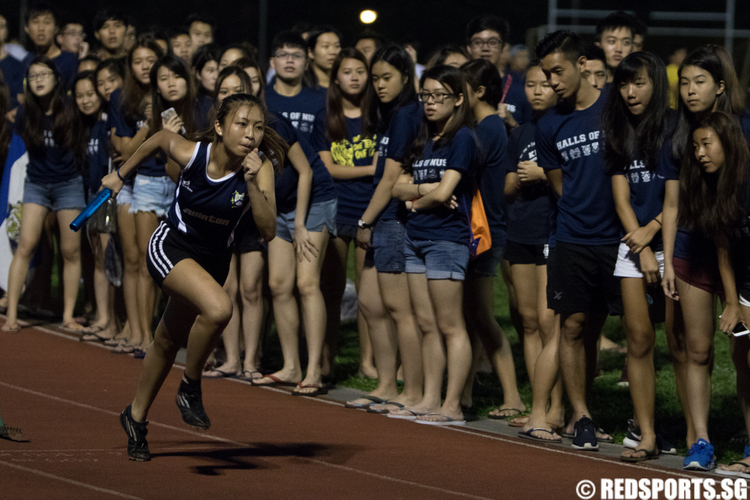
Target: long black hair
66,128
712,203
482,73
133,92
452,79
184,106
629,136
272,145
336,127
380,113
718,63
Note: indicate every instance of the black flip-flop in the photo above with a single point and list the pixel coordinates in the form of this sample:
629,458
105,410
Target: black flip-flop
319,389
383,411
374,400
528,435
650,455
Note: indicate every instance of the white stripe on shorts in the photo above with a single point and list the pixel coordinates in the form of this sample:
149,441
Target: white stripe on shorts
153,250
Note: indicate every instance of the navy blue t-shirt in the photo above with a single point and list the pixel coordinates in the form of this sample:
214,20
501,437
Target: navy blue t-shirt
395,144
493,144
442,223
98,157
206,211
356,151
12,70
51,163
67,65
647,189
529,214
515,99
203,105
287,180
126,127
300,110
572,141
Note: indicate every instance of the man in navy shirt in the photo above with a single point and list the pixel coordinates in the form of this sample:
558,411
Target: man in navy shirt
288,96
614,34
110,27
570,150
485,38
42,26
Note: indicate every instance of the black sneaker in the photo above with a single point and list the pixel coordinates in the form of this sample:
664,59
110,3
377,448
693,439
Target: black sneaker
136,431
585,435
633,437
191,407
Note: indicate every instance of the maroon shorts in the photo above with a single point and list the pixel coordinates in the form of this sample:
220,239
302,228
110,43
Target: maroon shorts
703,277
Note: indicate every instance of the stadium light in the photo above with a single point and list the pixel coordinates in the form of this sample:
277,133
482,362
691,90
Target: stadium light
368,16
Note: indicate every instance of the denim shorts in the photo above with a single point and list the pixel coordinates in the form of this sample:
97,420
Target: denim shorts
436,259
152,194
66,195
320,215
125,196
388,246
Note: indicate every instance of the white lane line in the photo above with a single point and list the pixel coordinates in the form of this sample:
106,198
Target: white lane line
237,443
69,481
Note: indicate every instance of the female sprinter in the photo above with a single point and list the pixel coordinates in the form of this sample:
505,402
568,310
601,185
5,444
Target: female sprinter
396,116
437,237
50,128
691,271
189,254
635,123
339,136
130,111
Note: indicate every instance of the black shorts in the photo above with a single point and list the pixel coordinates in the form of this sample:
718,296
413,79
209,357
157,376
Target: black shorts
523,253
247,237
582,279
168,246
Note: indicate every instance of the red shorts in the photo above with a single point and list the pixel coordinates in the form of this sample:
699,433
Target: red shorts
705,278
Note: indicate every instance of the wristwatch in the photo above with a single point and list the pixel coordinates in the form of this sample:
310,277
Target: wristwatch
363,225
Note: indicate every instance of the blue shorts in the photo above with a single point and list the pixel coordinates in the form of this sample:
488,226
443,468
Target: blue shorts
388,246
320,215
66,195
152,194
436,259
125,196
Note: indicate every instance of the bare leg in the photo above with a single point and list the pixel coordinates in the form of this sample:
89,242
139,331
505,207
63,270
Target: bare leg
70,248
145,225
198,309
129,242
31,232
231,334
252,266
674,327
332,287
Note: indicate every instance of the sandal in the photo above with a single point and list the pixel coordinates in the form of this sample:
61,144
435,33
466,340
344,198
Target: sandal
10,328
73,327
647,455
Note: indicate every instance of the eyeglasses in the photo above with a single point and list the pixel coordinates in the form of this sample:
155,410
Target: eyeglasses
297,56
437,97
79,34
492,43
40,76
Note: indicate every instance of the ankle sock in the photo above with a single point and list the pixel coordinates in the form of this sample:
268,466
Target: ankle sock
190,385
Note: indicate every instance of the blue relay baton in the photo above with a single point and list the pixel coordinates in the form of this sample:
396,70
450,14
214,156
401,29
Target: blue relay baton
92,207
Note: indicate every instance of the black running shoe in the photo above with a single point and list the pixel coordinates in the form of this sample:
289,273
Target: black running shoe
585,435
191,407
136,431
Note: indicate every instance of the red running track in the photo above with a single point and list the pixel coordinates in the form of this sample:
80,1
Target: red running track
66,396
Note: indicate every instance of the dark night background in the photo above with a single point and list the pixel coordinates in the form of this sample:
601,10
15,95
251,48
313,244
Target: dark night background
433,22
